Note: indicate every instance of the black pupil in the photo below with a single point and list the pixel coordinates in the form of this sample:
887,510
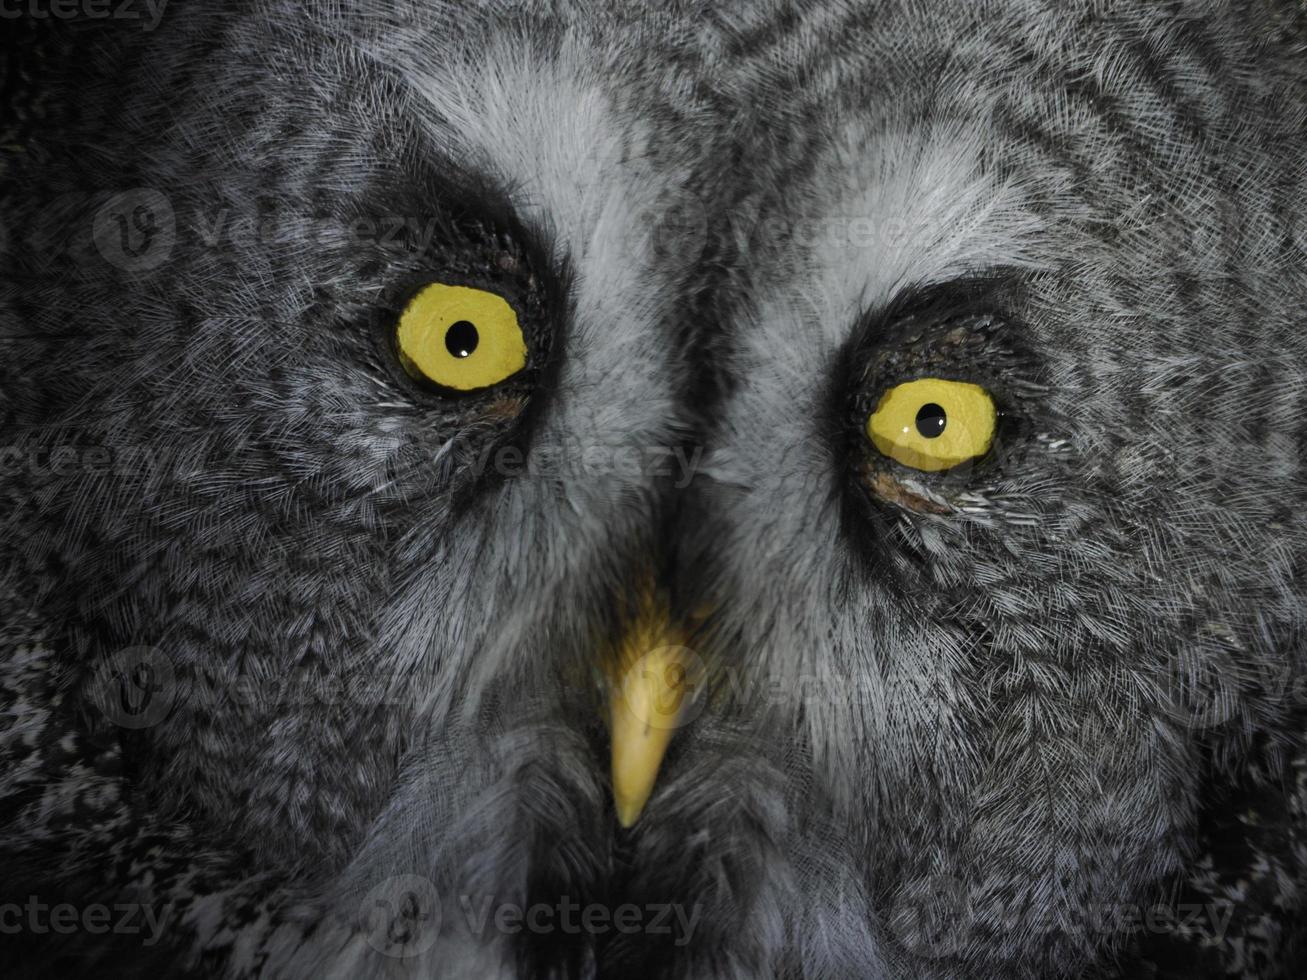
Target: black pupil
461,338
931,420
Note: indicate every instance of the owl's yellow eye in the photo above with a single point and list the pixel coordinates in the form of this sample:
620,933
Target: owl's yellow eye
460,338
932,424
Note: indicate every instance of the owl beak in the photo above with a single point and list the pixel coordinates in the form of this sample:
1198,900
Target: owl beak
649,681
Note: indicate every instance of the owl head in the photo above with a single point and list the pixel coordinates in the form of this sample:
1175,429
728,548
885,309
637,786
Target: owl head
831,471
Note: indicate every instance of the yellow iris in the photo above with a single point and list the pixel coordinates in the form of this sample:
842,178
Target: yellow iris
460,338
932,424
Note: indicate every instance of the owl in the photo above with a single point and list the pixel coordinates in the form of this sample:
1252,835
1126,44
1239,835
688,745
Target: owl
577,489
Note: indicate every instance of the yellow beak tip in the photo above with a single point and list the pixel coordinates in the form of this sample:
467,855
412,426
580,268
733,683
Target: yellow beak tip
628,812
637,755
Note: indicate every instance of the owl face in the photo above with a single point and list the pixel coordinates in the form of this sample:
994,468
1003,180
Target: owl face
796,467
